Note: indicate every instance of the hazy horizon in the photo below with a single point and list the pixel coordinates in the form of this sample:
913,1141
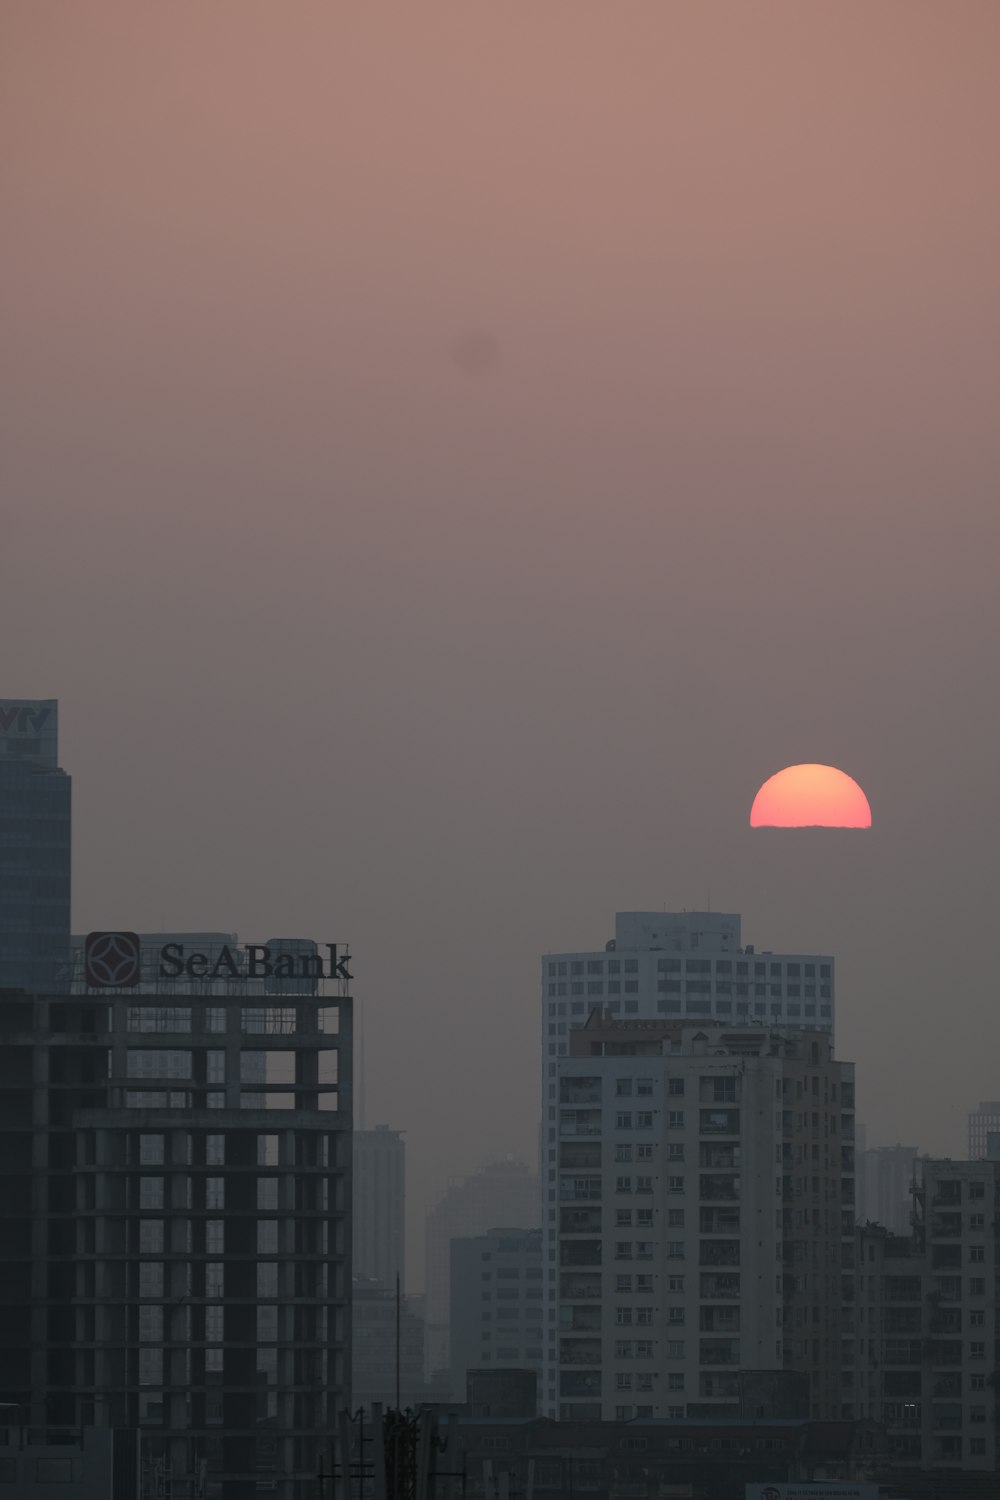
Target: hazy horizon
454,455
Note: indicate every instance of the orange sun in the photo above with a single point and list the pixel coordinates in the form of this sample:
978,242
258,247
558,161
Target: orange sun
810,797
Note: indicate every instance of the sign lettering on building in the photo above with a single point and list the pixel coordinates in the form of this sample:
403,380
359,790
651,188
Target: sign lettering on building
113,960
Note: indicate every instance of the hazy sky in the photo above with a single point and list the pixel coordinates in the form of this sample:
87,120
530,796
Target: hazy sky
453,453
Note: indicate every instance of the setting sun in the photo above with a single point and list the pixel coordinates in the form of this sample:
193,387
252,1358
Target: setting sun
810,796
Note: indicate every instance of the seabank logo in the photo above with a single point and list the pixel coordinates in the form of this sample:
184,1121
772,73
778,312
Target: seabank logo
112,959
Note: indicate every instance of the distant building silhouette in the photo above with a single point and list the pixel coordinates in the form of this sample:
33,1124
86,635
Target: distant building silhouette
379,1206
496,1303
984,1131
35,797
504,1192
885,1182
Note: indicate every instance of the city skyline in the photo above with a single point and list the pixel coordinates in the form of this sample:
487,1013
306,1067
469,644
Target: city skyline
453,457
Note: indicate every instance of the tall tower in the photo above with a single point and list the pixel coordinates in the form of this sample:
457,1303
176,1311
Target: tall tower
35,849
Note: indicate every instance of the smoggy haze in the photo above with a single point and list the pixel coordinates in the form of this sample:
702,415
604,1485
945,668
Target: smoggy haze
454,454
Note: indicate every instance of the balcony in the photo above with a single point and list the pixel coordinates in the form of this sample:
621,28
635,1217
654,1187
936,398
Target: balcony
580,1091
580,1190
719,1352
719,1253
580,1319
580,1287
579,1351
719,1122
580,1221
718,1188
580,1252
580,1122
720,1287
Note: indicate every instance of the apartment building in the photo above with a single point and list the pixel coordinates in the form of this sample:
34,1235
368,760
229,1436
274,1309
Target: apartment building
664,966
705,1217
496,1303
926,1320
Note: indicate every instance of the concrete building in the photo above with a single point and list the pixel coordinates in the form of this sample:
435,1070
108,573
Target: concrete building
667,965
984,1131
175,1254
379,1206
705,1218
34,848
496,1303
884,1183
927,1322
90,1463
505,1192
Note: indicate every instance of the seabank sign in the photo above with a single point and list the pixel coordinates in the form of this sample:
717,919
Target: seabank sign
113,960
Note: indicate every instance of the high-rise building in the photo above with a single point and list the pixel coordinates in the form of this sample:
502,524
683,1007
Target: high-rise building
984,1131
926,1322
176,1250
660,966
505,1192
34,849
885,1183
379,1206
496,1303
705,1218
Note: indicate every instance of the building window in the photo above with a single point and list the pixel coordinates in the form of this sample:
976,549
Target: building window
151,1150
151,1192
675,1119
159,1062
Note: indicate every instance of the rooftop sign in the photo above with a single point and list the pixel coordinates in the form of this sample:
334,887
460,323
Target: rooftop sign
29,730
113,960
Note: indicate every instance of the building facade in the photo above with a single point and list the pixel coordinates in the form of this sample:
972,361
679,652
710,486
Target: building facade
35,797
496,1303
885,1186
176,1251
379,1206
927,1322
984,1131
705,1218
660,966
505,1192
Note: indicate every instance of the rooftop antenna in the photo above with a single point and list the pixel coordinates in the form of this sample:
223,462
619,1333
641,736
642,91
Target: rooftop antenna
361,1065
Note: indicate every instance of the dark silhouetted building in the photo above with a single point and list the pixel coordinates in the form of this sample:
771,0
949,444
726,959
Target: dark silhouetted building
34,847
175,1247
